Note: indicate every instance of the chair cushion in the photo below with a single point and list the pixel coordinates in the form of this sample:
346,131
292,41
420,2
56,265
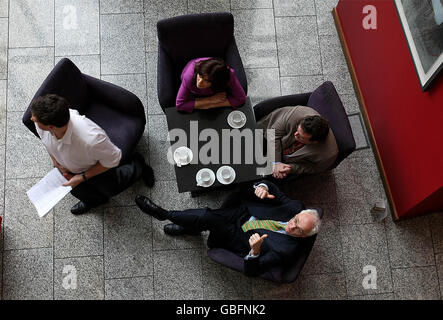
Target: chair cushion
325,100
124,130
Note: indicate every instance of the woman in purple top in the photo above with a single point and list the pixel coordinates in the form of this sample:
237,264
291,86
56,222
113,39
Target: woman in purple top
209,83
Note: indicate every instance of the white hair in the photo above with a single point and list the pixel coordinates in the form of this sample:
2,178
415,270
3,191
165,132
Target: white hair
317,224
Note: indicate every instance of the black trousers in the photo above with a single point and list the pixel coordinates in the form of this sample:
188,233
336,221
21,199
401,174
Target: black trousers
223,224
100,188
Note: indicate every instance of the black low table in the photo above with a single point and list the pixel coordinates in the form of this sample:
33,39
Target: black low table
216,119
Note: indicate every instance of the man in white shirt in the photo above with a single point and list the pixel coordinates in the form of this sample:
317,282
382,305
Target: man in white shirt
84,154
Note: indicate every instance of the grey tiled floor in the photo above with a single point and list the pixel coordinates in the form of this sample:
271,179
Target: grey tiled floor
118,252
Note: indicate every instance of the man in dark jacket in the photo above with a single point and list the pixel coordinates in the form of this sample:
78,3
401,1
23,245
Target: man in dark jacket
264,231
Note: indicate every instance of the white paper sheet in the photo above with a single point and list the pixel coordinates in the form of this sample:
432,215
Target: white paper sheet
46,193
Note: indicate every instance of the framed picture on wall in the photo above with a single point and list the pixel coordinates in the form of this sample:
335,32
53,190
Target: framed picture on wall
422,22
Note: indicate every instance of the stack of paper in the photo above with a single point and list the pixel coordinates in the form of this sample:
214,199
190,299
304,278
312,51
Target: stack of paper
46,193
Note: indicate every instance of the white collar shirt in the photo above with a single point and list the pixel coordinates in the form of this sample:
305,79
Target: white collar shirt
82,146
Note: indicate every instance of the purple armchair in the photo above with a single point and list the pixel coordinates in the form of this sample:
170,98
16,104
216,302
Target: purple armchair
325,101
117,111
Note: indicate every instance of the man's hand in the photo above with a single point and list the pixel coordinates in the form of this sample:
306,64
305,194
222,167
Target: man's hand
255,241
281,170
263,193
74,181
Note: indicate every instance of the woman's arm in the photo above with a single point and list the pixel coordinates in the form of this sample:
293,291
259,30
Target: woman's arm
214,101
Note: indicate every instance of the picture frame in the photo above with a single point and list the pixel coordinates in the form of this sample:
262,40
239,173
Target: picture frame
422,23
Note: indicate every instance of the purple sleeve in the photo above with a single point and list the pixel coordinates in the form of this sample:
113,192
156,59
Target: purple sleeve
183,102
237,97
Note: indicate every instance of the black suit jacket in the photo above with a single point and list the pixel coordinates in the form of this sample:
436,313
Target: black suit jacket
277,248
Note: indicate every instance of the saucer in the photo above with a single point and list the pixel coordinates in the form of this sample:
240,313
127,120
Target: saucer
177,160
210,182
231,122
220,178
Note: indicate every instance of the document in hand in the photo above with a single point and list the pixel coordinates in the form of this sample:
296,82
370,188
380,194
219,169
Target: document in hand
46,193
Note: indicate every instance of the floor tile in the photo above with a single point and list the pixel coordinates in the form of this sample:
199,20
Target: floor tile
333,59
27,68
159,148
4,8
222,283
381,296
77,235
151,84
365,246
128,243
27,157
165,194
79,278
439,264
294,8
24,229
321,286
263,83
77,27
251,4
350,103
130,289
135,83
327,254
178,269
2,181
255,37
325,19
3,48
298,48
416,283
3,84
121,6
89,64
300,84
28,274
156,10
267,290
31,23
203,6
410,243
122,44
436,222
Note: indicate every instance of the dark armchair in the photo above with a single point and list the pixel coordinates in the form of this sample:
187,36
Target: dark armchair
117,111
326,102
183,38
276,274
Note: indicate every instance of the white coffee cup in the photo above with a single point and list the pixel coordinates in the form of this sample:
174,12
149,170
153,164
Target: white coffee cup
237,118
205,177
226,173
183,156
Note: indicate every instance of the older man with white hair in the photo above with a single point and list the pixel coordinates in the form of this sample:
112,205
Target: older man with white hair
265,231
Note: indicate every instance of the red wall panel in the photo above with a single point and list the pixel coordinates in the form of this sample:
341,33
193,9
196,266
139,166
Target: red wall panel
407,124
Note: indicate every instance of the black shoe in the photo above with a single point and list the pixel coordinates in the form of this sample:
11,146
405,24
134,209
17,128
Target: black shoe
80,208
175,230
149,207
147,172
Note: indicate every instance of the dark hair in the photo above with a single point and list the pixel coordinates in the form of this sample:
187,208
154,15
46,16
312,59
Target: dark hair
316,126
51,109
217,72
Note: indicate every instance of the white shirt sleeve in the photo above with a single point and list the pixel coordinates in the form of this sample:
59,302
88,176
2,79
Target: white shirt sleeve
107,153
